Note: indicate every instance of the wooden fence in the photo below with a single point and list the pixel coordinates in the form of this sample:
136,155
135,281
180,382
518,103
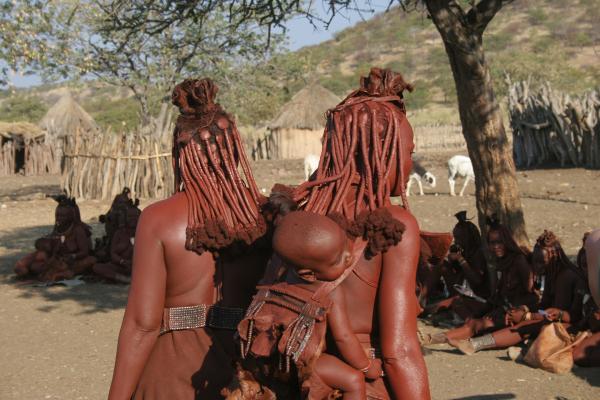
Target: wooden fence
7,158
438,138
99,166
32,158
550,127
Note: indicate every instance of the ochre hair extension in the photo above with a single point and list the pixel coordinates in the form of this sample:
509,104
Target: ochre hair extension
361,143
223,207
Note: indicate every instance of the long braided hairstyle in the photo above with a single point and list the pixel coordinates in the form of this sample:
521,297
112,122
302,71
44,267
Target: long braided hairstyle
223,204
362,143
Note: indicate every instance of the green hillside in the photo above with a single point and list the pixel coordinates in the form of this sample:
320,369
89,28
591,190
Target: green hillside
549,40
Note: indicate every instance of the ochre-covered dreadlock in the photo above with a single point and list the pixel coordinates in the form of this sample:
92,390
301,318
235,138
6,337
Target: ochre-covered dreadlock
223,208
362,143
362,138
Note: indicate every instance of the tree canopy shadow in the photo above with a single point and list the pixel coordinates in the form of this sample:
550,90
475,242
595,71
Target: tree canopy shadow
93,297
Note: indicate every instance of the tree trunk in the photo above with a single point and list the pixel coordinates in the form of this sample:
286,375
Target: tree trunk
496,187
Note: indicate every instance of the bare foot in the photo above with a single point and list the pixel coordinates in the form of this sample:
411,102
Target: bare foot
465,346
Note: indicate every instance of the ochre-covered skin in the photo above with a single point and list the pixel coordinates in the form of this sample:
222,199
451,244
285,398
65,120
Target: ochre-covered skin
352,180
319,250
121,249
175,261
65,252
587,354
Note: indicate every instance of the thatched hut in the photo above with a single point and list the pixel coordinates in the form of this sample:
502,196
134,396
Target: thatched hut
298,128
23,149
67,118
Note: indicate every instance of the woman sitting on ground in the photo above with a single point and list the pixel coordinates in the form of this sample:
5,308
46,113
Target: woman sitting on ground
515,288
587,353
118,269
466,267
65,252
562,300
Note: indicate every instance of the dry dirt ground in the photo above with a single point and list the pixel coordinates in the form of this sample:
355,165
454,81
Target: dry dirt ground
59,343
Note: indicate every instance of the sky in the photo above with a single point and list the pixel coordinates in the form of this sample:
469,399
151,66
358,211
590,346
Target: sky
300,31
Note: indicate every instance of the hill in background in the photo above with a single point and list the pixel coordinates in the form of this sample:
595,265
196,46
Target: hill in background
549,40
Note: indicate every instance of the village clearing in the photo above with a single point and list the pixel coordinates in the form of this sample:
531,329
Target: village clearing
59,343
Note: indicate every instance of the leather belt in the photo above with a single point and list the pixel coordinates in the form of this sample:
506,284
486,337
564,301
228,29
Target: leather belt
200,316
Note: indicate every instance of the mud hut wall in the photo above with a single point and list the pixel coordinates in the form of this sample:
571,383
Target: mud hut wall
296,143
99,166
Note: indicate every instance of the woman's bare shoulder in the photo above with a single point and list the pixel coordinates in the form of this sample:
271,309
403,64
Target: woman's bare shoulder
164,210
406,217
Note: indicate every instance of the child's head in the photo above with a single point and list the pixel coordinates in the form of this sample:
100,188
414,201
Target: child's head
313,243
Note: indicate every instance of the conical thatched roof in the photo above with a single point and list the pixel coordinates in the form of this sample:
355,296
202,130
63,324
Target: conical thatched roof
306,110
66,117
25,129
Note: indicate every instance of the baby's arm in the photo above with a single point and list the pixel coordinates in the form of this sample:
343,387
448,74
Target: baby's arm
345,339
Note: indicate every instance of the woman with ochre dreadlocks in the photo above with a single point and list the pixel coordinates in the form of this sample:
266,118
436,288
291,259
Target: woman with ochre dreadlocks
65,252
366,158
562,300
515,290
195,262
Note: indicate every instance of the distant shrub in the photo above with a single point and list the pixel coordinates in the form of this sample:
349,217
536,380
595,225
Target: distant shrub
121,114
22,108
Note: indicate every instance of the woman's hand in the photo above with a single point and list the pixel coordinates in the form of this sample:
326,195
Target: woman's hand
375,370
556,314
514,316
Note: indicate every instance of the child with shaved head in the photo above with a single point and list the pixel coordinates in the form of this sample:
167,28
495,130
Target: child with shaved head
319,256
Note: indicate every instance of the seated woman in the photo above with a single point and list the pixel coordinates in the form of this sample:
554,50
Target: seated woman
464,267
118,269
514,289
65,252
562,300
587,353
112,220
318,256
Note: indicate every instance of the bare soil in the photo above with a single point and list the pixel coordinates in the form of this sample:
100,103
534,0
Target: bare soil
59,343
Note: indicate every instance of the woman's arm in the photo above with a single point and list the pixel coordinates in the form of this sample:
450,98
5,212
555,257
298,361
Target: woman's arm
403,361
83,243
143,315
472,270
115,251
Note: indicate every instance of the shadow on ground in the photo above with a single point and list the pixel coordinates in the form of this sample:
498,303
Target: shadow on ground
590,375
93,297
501,396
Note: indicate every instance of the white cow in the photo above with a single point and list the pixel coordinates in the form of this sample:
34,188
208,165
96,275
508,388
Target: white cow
419,174
459,166
311,163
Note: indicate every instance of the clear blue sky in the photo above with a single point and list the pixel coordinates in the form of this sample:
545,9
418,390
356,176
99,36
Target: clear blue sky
300,31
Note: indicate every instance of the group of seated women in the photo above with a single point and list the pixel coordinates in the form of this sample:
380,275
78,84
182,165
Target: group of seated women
67,251
528,291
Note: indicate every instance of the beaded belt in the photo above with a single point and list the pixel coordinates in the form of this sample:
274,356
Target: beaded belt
200,316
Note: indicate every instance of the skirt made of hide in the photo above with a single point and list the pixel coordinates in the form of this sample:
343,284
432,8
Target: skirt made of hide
186,364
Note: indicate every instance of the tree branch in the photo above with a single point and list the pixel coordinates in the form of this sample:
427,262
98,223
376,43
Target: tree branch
480,14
